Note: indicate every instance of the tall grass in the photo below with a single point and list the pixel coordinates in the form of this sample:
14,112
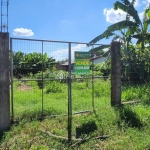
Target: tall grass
55,96
136,92
29,100
128,127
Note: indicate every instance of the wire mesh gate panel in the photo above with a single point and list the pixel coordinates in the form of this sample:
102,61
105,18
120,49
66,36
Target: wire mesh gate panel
40,79
32,71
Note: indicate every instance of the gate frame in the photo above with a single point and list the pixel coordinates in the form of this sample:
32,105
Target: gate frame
113,49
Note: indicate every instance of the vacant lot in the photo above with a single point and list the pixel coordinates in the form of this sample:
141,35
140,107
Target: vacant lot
127,127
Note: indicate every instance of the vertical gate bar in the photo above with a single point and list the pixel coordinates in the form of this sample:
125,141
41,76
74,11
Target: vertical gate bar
11,78
93,106
92,80
42,81
69,97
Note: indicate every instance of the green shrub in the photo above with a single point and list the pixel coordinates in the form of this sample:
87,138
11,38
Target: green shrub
53,87
40,82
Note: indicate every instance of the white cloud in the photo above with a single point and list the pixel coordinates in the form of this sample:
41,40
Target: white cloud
141,15
146,2
23,32
62,54
113,16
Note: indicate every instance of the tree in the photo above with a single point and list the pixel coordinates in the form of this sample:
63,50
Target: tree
31,63
17,62
127,7
132,28
129,29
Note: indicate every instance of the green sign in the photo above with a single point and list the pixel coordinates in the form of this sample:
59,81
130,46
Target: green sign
82,63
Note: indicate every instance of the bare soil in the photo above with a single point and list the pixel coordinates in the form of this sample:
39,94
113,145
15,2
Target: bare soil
24,87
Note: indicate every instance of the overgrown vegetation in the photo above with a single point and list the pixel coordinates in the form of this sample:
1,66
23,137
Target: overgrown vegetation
31,63
43,120
120,128
135,56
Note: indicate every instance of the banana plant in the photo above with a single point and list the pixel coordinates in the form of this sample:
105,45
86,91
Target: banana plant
142,33
134,28
126,30
126,24
123,30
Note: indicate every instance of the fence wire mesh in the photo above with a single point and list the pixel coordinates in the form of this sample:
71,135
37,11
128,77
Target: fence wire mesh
39,77
43,81
135,74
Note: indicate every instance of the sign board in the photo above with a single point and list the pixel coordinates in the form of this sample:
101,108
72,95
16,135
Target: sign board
82,63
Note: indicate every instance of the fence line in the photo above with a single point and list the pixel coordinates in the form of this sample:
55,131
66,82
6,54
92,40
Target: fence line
58,50
43,82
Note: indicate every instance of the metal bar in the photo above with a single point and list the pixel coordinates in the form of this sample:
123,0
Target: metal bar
39,80
95,77
69,98
56,41
12,85
42,81
93,107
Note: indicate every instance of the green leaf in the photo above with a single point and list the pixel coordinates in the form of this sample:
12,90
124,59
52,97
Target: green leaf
121,25
99,48
115,27
129,9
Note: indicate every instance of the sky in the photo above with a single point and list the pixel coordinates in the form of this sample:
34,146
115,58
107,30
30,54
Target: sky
64,20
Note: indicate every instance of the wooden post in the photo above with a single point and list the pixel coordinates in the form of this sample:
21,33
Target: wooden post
115,73
4,83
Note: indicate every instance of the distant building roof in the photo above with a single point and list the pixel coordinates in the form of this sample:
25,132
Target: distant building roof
67,63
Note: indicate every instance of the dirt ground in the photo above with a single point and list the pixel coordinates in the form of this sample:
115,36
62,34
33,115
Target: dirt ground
24,87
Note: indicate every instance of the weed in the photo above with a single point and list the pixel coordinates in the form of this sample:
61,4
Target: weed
126,126
53,87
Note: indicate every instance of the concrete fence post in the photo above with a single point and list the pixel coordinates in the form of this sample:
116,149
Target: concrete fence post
4,83
115,73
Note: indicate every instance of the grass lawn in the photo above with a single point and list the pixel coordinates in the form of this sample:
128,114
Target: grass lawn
127,127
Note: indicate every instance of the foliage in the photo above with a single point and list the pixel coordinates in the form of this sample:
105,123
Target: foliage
43,78
25,64
124,126
40,78
99,51
102,69
135,58
53,87
136,92
136,67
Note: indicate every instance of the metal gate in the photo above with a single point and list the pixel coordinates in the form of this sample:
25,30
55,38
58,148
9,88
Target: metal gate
43,82
29,66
